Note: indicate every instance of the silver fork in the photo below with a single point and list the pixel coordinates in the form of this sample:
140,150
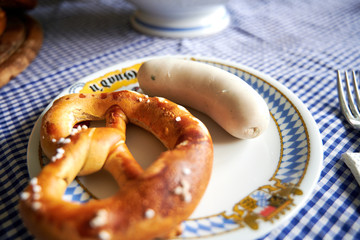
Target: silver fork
349,108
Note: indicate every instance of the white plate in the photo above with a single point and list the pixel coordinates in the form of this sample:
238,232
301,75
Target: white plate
256,185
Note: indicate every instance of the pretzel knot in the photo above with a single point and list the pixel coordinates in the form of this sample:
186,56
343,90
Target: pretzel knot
150,203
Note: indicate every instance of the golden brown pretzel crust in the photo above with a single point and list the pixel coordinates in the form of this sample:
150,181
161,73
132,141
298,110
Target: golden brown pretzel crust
150,203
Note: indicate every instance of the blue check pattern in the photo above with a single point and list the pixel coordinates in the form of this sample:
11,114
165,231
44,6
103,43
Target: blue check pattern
299,43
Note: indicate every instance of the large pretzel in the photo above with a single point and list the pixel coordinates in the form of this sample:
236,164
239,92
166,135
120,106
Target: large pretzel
150,203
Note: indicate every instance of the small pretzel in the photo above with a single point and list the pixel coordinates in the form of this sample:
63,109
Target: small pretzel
150,203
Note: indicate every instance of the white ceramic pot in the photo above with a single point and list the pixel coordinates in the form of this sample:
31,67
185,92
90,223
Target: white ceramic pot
180,18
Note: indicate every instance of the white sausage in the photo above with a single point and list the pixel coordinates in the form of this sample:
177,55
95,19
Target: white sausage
224,97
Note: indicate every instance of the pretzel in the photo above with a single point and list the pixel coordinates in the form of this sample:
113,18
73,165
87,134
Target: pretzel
18,4
20,50
150,203
3,20
13,37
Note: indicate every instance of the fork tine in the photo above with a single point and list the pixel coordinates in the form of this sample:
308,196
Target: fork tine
344,107
351,104
356,89
352,116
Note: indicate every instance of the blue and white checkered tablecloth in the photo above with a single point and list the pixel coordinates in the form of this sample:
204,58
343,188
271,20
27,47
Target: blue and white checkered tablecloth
299,43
